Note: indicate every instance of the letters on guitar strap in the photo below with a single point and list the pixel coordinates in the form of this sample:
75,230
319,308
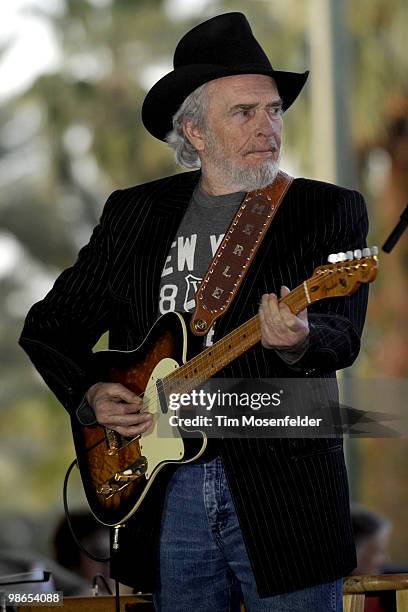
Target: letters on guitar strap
236,252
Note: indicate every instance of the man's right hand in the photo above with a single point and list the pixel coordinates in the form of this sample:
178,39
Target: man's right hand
118,408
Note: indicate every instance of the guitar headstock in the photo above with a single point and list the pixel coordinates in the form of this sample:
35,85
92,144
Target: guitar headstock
343,274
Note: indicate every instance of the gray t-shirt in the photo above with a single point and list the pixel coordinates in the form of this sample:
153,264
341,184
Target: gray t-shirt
200,233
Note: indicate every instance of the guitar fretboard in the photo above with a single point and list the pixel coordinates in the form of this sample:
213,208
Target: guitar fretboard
340,278
224,351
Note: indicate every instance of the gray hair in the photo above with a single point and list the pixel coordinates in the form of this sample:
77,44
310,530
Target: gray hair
193,109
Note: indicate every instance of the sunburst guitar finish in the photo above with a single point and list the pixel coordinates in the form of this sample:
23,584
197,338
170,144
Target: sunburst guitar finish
102,454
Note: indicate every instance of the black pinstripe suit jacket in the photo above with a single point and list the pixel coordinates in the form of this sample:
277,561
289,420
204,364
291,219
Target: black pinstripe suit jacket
291,496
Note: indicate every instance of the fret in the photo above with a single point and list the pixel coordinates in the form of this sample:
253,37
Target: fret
214,358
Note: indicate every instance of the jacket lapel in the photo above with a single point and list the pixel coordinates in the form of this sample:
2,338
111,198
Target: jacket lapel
172,201
170,204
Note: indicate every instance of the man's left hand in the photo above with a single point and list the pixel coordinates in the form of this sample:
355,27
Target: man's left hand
280,328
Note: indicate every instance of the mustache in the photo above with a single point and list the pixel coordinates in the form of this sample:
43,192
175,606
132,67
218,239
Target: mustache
271,145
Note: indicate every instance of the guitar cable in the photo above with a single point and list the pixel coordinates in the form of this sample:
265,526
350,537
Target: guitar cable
68,517
79,544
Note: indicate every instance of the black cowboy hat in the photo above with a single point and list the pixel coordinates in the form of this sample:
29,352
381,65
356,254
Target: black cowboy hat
219,47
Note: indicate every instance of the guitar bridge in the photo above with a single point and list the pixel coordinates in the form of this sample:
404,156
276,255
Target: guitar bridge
133,472
121,479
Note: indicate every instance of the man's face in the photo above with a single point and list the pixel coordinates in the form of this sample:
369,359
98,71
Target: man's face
242,137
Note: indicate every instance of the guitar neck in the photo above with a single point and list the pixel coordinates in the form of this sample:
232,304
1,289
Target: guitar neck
227,349
337,279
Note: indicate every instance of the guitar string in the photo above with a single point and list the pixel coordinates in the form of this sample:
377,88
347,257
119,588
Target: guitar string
252,328
299,291
213,350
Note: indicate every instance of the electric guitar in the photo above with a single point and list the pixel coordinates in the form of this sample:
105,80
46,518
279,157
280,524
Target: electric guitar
118,472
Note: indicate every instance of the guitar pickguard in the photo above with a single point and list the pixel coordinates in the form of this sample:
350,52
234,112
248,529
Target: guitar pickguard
163,442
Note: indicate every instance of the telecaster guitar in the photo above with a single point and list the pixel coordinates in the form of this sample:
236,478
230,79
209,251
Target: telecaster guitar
118,473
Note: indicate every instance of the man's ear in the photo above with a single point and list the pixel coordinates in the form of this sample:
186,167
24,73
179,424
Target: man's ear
194,135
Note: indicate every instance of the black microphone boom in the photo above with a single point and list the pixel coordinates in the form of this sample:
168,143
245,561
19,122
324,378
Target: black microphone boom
396,232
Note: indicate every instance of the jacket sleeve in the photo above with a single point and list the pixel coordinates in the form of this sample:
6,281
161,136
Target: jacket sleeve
336,324
61,330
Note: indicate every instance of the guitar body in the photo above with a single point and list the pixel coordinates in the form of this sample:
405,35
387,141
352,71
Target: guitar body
102,453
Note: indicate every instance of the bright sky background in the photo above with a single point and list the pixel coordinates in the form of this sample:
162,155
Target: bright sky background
32,48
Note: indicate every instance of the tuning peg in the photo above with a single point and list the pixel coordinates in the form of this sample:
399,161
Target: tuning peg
374,251
350,255
332,258
341,256
357,254
366,252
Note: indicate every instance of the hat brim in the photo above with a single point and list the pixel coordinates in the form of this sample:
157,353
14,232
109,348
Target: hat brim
167,95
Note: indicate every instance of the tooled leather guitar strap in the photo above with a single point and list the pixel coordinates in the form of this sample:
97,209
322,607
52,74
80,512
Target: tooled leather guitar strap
236,252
